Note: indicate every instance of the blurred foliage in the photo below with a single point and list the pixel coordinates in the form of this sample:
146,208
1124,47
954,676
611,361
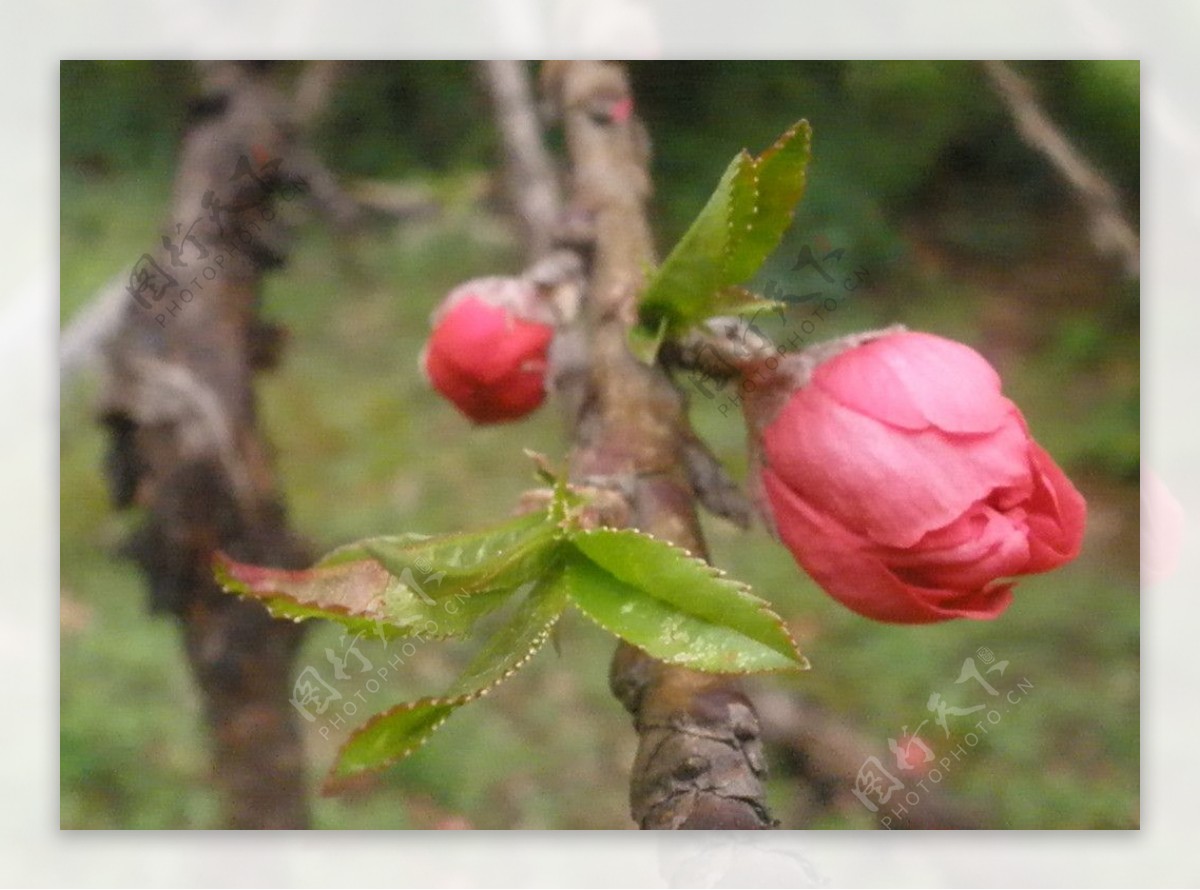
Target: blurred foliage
121,117
885,130
917,175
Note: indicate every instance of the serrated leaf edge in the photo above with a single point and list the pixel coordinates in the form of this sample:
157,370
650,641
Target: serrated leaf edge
335,781
801,665
741,588
241,590
747,161
731,240
546,533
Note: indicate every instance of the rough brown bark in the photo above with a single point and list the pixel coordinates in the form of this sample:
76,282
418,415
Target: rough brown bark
185,444
700,759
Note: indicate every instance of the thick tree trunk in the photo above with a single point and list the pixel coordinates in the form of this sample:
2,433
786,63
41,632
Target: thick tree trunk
185,442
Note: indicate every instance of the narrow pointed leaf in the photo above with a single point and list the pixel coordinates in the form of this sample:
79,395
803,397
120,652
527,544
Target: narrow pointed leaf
736,300
674,606
360,595
779,177
753,310
505,555
680,289
735,232
396,733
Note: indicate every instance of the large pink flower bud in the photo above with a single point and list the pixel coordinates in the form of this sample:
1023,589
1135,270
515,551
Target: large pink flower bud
487,353
908,487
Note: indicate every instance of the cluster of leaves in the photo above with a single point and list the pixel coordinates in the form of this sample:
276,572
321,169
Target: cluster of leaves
733,235
530,569
652,594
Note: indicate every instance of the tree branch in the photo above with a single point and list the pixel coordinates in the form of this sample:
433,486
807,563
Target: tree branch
315,86
700,761
91,330
1111,232
84,338
532,182
185,445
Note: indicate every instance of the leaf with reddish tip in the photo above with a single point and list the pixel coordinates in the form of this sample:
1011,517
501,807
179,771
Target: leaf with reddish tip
360,595
396,733
654,595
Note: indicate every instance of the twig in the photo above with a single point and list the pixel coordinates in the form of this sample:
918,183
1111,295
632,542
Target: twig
83,340
1111,232
315,88
532,183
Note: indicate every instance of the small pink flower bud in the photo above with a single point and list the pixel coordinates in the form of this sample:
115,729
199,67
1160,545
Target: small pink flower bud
487,353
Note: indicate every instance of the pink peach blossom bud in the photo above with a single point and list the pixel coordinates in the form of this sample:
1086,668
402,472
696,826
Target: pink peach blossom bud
487,353
906,484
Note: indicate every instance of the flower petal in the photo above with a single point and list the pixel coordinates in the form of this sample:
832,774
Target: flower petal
487,361
1057,515
982,547
894,487
914,381
487,341
850,569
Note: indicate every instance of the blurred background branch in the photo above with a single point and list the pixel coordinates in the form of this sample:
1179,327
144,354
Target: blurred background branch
1112,233
530,177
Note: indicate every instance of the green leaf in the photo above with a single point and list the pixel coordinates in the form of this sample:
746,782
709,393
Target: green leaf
735,300
396,733
681,288
780,175
505,555
741,224
361,595
676,607
404,584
